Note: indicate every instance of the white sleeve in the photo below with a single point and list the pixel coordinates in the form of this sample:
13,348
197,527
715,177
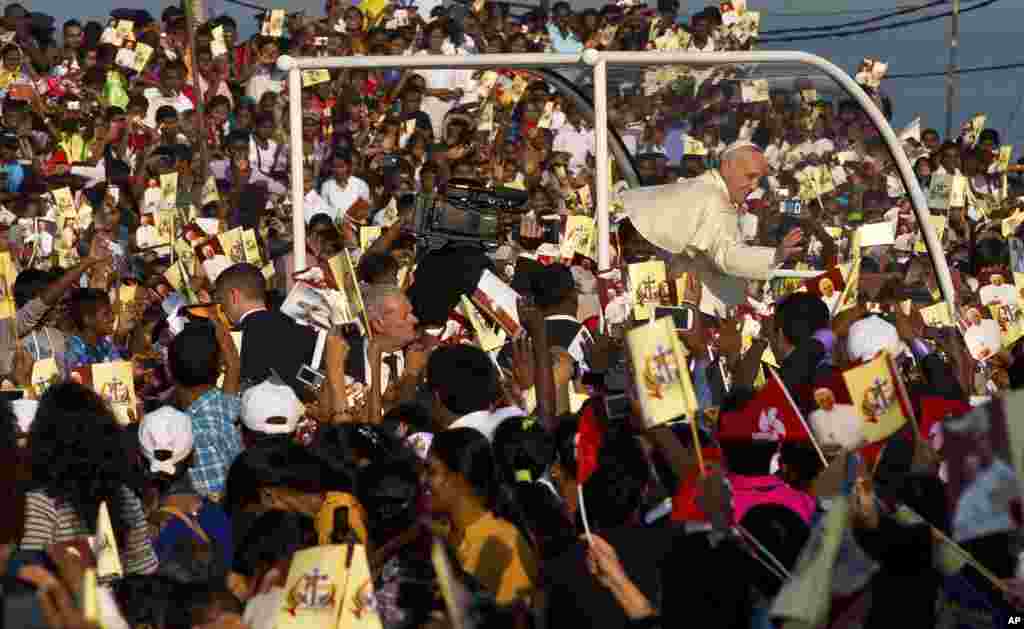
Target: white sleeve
94,174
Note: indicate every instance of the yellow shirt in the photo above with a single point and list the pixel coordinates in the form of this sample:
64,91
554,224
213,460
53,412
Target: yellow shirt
497,555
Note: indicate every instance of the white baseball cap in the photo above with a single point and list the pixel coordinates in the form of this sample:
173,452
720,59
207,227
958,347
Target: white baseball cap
271,408
166,438
870,336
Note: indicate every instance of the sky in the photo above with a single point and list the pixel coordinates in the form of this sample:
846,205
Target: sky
986,36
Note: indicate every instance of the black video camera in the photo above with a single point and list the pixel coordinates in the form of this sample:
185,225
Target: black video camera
467,212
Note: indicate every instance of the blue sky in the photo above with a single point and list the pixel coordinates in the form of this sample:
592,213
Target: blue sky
985,40
922,48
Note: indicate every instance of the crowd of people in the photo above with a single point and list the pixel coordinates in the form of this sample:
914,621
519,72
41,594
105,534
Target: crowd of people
765,411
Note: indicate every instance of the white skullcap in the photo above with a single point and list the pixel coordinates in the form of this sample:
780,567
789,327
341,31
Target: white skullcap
870,336
737,145
269,400
25,413
165,430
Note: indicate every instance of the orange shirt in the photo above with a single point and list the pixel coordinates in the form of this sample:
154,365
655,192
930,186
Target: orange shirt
498,556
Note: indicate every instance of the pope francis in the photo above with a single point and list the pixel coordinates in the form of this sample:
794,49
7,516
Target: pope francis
698,222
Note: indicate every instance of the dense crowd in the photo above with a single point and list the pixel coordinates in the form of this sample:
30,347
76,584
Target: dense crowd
765,412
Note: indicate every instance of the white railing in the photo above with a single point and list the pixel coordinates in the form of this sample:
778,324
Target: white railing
599,62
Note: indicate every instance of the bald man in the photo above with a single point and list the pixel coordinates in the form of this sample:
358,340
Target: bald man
697,222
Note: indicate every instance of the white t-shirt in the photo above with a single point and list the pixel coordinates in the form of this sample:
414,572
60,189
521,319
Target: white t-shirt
483,422
268,160
262,82
577,143
339,199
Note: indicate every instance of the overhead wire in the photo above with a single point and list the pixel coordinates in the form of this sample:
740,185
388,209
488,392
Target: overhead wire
871,20
876,29
938,73
836,13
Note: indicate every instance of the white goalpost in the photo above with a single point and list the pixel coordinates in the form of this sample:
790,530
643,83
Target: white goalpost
598,63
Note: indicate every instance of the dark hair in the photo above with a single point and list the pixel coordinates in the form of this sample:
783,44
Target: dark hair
200,602
991,252
77,454
543,515
273,536
802,464
783,533
166,112
376,266
220,100
147,600
552,285
177,65
30,284
522,448
71,23
244,277
8,428
194,355
749,458
279,464
799,316
227,21
467,452
416,418
85,303
463,377
614,491
388,491
342,446
565,443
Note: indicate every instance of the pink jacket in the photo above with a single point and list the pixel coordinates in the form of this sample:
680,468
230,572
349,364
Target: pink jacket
751,491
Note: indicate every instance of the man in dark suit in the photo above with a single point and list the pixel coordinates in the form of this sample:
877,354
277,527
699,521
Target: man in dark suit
271,340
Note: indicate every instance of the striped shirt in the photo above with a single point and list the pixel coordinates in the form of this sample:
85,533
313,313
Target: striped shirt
49,521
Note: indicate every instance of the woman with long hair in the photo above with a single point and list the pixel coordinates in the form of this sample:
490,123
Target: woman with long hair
464,486
78,463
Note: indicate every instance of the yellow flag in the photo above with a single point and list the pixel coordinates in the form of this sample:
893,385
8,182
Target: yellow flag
877,395
662,376
649,287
